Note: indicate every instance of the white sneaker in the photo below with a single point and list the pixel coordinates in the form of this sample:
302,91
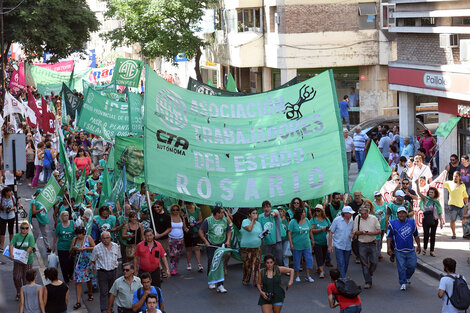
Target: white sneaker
221,289
309,279
188,268
297,279
403,287
212,286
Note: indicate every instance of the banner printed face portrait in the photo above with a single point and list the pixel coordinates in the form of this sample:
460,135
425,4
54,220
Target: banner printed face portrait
274,145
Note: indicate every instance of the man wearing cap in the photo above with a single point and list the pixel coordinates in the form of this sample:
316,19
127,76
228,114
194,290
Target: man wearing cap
340,235
405,186
366,228
402,231
271,221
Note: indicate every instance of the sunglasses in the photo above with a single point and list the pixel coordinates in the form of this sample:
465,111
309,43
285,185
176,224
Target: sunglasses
406,183
317,210
126,270
24,228
296,202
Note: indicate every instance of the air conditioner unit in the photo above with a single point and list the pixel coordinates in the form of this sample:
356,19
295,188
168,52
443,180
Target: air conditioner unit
448,40
465,50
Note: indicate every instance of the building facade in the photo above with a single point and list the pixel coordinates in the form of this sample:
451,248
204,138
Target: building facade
432,65
265,43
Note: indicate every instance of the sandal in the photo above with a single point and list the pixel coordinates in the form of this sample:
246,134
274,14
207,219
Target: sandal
90,298
77,306
432,253
424,252
18,297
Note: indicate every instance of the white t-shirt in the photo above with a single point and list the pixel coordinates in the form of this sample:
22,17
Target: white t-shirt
447,284
349,144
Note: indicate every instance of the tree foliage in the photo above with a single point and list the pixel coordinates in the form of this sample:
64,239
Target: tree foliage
60,27
162,28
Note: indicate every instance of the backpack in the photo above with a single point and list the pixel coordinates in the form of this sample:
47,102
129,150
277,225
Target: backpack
140,292
460,298
347,288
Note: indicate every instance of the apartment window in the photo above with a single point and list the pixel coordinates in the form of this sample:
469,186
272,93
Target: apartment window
428,21
367,14
409,22
462,21
249,19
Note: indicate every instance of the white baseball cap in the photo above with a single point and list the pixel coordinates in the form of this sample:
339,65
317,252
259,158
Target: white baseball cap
399,193
347,209
377,193
400,209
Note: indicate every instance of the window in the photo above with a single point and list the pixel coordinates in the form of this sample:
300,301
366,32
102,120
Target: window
428,21
386,19
367,14
409,22
461,21
249,19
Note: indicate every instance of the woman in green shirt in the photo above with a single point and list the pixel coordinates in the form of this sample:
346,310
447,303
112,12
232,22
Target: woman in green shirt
22,241
301,242
63,237
379,207
39,214
320,226
250,244
191,238
286,253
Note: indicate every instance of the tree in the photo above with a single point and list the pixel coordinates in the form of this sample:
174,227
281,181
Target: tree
162,28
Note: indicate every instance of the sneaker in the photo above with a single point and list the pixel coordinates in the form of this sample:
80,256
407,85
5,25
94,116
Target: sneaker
328,264
408,281
188,268
367,286
403,287
200,268
297,279
221,289
212,286
49,250
309,279
322,275
174,272
392,258
454,237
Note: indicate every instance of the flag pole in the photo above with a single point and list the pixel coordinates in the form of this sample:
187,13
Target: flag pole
149,204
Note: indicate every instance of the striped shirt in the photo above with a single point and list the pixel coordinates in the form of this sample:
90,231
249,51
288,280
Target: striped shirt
360,141
106,259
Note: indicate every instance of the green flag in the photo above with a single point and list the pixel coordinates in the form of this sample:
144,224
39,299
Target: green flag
210,83
109,87
216,273
106,189
71,83
275,145
73,103
79,187
119,189
231,84
235,240
127,72
49,193
374,173
446,128
63,159
135,113
38,76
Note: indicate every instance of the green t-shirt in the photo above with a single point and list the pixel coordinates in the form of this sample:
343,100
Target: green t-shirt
270,223
122,220
64,236
394,207
28,242
290,212
92,182
102,163
320,238
216,230
300,234
42,217
193,217
284,225
333,211
106,224
380,213
250,239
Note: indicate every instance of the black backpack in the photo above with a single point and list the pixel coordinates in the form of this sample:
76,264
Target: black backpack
460,298
348,288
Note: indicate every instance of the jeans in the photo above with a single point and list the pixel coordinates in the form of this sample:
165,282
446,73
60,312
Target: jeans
345,119
360,156
105,282
342,260
47,172
380,242
406,265
275,250
349,158
368,255
297,255
42,229
286,252
352,309
66,264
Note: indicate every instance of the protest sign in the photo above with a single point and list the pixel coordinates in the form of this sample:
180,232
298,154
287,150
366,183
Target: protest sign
243,150
45,78
103,74
129,154
127,72
48,196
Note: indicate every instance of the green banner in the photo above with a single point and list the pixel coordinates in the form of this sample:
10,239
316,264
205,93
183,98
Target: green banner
216,273
63,159
373,175
103,116
73,103
106,189
47,89
119,189
109,87
129,153
49,193
243,150
79,187
135,113
127,72
45,78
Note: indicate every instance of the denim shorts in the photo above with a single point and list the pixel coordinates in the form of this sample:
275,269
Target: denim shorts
278,303
455,212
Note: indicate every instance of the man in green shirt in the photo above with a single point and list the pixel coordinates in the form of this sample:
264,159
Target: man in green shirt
271,222
218,233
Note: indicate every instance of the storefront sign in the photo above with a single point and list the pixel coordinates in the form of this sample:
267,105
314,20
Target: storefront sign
454,107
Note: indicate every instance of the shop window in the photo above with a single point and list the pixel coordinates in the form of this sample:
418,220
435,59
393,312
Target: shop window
428,21
249,19
461,21
367,15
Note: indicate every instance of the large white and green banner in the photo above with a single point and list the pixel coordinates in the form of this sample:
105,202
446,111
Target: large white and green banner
127,72
243,150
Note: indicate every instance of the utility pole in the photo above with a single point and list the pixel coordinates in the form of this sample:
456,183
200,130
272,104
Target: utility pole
2,49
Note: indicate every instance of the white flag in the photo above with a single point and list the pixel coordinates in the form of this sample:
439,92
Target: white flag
12,105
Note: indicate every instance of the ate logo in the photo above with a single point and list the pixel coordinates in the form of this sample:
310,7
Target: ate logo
168,138
129,69
171,109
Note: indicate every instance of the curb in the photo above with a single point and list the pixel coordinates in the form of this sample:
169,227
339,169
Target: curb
430,270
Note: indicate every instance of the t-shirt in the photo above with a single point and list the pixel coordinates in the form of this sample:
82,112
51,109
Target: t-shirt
320,238
65,236
149,259
360,141
162,222
80,163
332,211
403,234
353,99
380,213
42,217
106,224
447,284
300,234
343,301
28,242
343,108
349,142
395,158
56,298
465,174
384,144
153,291
407,151
250,239
271,223
456,193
